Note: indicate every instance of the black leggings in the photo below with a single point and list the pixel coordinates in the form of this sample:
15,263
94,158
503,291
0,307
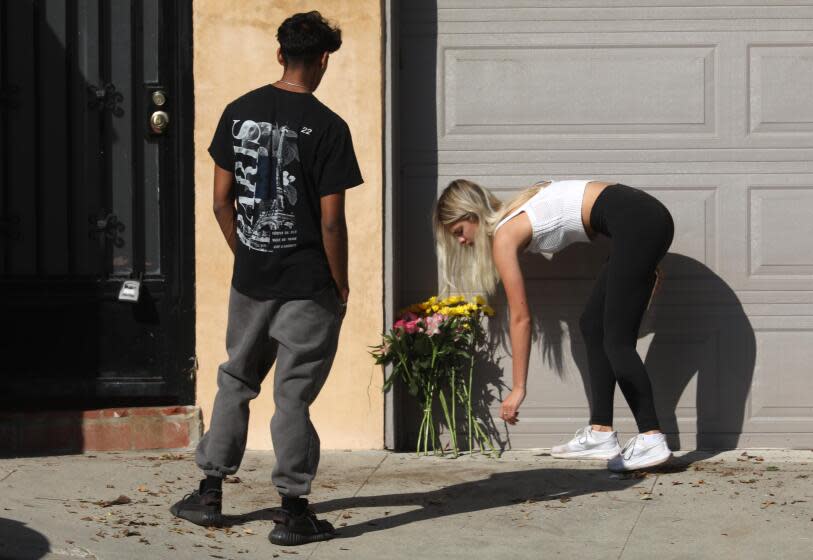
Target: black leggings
641,230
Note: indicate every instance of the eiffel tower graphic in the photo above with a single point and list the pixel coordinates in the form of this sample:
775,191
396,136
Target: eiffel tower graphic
276,211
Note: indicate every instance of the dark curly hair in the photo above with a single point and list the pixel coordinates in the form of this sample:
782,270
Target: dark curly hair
304,37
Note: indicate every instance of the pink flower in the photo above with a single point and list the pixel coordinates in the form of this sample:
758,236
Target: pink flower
413,326
409,322
433,323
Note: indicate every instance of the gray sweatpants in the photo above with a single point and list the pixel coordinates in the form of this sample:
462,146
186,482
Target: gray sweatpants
301,335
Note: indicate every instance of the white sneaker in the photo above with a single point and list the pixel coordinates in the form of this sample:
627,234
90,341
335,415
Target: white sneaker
641,452
588,444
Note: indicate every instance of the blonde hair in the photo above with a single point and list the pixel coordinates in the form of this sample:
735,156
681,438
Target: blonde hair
470,269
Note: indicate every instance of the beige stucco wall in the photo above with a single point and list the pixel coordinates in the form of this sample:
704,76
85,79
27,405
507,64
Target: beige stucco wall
234,52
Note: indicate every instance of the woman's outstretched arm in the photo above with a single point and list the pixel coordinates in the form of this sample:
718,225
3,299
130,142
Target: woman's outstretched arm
506,248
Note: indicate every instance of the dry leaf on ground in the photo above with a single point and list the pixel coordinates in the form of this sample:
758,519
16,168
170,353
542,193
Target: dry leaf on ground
120,501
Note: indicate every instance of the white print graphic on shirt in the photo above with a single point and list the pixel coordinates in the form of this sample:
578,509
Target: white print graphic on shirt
266,191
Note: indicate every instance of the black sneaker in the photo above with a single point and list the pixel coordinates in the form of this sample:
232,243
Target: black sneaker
201,507
293,530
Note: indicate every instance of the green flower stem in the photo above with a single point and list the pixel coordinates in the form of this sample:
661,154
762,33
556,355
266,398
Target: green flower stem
438,445
426,433
453,435
435,444
468,401
485,439
407,375
454,412
420,434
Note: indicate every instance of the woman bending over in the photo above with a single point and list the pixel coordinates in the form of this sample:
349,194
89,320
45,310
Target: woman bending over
479,240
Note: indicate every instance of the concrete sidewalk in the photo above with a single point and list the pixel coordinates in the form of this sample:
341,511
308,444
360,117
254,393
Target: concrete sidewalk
523,505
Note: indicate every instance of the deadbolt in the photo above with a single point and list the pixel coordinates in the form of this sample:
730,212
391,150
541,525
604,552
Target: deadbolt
159,98
159,121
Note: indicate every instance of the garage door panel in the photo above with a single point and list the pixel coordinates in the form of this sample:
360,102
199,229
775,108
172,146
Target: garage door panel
585,91
780,82
782,392
578,90
780,232
767,228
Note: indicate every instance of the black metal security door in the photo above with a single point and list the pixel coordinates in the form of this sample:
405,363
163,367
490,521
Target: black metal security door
94,164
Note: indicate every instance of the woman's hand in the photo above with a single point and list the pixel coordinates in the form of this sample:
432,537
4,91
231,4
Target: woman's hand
509,411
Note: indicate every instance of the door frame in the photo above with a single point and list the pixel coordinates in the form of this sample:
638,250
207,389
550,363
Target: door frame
393,437
183,200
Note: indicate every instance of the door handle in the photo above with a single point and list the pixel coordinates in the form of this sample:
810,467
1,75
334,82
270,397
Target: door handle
159,121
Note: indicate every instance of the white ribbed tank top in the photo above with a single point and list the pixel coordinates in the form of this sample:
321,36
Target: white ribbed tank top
555,213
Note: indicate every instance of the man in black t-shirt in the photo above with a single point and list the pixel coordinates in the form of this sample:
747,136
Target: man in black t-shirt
282,163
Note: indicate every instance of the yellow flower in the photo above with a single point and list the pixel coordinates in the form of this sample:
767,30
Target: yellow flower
435,307
479,300
488,310
432,300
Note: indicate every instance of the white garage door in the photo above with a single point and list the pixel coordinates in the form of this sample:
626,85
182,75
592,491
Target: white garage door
710,109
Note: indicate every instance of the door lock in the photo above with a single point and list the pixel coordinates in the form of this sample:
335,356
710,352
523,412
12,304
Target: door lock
159,121
159,98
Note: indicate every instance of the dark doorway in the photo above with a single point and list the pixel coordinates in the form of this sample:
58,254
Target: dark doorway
96,188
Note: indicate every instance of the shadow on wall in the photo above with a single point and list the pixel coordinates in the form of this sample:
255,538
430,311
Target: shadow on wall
705,335
700,340
21,543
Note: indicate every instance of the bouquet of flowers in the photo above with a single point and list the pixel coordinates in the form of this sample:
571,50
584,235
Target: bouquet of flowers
432,349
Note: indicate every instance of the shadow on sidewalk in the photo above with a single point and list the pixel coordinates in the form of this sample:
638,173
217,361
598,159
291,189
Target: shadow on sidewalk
21,543
498,490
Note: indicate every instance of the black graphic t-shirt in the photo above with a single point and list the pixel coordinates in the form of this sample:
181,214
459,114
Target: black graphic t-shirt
287,150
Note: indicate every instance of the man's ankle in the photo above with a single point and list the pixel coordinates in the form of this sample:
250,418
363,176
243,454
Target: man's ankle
294,505
213,483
